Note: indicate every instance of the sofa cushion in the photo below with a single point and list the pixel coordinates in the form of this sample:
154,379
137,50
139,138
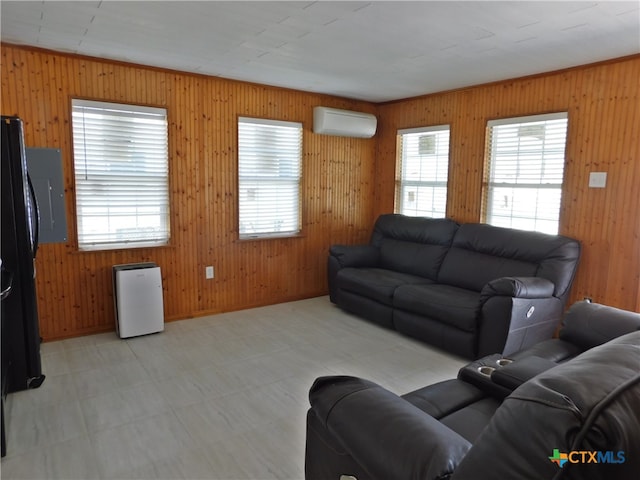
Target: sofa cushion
469,422
414,245
443,398
432,231
375,283
445,303
410,257
496,252
473,270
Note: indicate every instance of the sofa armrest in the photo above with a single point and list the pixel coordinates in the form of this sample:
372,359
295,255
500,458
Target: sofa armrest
343,256
386,435
516,312
355,255
518,287
513,375
508,324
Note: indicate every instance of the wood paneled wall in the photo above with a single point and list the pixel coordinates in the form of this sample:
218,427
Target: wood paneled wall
603,135
346,182
75,294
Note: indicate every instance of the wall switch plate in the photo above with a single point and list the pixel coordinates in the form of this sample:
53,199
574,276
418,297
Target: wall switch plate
597,179
208,272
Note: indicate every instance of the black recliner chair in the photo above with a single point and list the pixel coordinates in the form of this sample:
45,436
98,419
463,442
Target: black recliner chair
581,394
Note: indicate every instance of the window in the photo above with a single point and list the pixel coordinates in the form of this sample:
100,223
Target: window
525,170
269,172
121,173
422,171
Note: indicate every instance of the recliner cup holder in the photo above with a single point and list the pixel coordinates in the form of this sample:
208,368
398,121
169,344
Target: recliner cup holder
486,370
503,361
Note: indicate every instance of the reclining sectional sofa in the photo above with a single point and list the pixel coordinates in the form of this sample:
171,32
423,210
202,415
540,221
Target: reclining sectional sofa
519,417
472,289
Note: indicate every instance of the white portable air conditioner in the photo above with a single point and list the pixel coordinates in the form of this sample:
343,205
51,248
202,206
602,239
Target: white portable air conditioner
343,123
137,289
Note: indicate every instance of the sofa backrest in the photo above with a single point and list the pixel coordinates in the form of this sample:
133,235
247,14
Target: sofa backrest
589,404
481,253
588,324
415,245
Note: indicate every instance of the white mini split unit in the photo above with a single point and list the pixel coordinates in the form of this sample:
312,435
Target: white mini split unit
343,123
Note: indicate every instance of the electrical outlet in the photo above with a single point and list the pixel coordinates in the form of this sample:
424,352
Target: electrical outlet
208,272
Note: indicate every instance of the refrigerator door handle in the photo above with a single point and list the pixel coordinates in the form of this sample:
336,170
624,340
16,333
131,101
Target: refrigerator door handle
36,209
9,281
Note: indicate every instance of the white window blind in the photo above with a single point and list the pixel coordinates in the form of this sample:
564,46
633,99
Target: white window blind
422,171
269,173
121,175
525,172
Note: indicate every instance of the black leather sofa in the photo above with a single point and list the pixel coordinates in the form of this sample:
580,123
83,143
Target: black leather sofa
586,399
471,289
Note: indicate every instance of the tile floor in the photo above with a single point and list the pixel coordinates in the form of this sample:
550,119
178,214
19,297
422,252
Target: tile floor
217,397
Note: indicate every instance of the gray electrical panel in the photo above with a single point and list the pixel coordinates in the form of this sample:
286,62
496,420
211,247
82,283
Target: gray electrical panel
45,169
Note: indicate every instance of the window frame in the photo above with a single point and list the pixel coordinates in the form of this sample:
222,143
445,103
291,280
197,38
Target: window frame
401,182
292,180
140,237
489,185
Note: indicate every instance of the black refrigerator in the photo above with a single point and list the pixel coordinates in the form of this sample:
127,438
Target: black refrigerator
21,366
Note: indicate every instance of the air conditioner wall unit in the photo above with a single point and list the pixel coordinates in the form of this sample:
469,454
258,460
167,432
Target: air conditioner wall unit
343,123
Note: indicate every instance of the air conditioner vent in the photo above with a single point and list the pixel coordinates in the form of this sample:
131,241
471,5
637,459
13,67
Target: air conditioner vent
343,123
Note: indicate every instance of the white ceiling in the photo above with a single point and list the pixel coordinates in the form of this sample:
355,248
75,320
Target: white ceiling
375,51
